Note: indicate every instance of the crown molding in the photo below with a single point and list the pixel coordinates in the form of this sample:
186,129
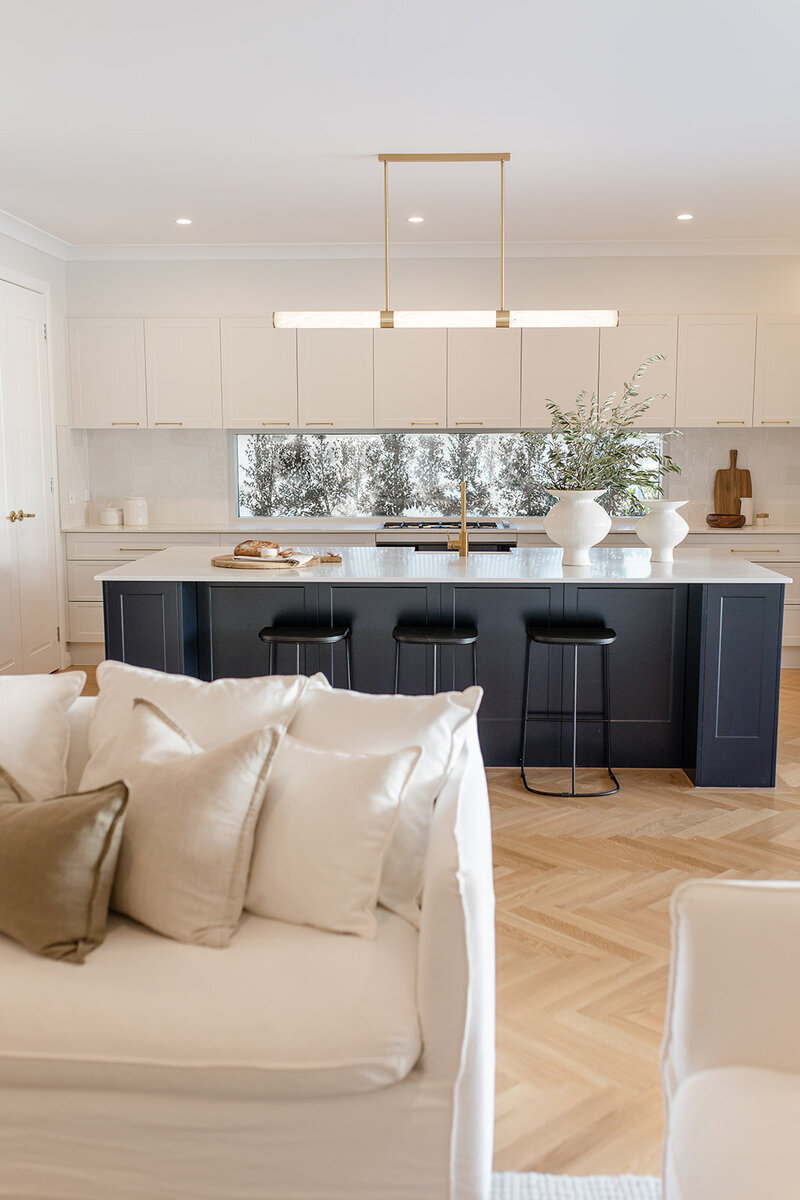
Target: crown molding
40,239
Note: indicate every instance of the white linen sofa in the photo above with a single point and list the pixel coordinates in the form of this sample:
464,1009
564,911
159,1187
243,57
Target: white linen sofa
731,1055
293,1065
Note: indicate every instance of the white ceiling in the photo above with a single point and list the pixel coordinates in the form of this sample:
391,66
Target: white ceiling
261,120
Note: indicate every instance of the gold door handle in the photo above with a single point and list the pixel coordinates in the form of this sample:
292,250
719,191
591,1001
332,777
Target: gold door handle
775,422
319,422
424,422
731,422
12,516
469,422
752,552
169,422
274,422
124,422
22,515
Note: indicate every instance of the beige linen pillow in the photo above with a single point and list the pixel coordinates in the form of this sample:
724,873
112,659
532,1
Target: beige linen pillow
34,732
57,861
188,836
360,723
211,714
322,836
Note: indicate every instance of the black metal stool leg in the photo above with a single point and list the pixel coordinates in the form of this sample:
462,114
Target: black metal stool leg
396,668
526,695
607,722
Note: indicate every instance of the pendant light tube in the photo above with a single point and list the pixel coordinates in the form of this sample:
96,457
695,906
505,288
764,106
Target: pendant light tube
501,318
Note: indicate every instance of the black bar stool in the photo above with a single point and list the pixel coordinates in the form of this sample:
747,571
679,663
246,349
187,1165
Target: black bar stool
307,635
569,636
436,636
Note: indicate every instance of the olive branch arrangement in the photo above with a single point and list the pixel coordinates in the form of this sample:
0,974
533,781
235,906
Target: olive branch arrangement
597,446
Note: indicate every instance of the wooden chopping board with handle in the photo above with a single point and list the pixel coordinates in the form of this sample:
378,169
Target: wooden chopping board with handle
729,487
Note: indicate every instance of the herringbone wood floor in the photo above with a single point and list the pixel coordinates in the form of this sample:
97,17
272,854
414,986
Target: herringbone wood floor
583,893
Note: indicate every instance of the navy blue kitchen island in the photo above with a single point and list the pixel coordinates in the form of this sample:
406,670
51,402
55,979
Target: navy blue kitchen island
694,672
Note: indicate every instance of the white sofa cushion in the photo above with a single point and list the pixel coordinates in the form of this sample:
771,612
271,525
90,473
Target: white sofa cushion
323,833
733,1136
365,724
188,837
286,1011
211,713
34,731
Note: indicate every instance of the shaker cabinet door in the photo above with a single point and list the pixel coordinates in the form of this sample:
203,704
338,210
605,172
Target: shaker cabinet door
483,378
106,367
259,374
624,349
777,393
716,360
557,364
334,379
410,379
184,385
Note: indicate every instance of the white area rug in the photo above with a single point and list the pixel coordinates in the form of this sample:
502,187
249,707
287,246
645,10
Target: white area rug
569,1187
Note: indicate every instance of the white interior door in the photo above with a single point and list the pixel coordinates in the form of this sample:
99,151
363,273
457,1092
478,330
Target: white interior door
27,453
10,632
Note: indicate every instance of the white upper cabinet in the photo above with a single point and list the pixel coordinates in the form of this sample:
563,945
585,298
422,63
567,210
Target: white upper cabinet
777,393
716,358
625,348
557,364
334,378
259,374
484,378
410,378
106,363
184,384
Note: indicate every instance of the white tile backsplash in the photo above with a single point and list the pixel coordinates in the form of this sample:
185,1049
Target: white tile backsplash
772,457
185,473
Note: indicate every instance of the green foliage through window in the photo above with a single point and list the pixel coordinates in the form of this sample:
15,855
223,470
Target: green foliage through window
407,474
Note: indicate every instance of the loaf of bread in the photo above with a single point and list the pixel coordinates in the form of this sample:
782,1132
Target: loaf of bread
253,548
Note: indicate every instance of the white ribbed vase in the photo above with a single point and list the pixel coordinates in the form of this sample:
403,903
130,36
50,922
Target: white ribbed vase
577,523
662,528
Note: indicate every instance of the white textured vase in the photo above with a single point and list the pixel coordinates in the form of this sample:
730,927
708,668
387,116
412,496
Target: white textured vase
662,528
577,522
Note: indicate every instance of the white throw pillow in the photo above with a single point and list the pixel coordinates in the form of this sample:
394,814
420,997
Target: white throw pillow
323,833
210,713
363,724
188,836
34,731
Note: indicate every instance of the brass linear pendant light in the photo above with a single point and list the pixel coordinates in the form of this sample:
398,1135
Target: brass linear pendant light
500,318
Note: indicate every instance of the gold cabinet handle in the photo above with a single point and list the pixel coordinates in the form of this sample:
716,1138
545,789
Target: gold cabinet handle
12,516
424,422
319,422
775,422
751,552
274,422
169,422
469,422
136,549
726,422
124,422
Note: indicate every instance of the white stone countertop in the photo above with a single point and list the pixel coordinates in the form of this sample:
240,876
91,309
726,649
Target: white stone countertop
390,564
333,525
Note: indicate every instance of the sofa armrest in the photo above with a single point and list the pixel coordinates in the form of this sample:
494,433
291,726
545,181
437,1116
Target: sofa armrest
735,979
456,976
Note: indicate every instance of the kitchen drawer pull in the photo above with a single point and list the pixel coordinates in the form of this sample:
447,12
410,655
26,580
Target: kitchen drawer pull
775,422
274,422
169,422
730,422
753,553
124,422
136,549
469,422
424,422
319,422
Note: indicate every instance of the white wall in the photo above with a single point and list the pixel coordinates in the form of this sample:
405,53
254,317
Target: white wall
652,285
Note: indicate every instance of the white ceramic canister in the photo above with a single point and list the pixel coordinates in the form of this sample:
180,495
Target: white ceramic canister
134,508
577,523
662,528
111,514
747,509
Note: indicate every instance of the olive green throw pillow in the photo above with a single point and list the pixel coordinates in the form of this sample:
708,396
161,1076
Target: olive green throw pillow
57,863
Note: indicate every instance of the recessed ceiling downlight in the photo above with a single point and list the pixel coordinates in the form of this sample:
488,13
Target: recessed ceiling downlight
685,216
183,220
416,220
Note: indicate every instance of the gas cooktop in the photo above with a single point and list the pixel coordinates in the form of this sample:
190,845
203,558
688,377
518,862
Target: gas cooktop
443,525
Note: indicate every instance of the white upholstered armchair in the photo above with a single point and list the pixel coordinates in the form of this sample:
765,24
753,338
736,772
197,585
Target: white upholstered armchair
731,1054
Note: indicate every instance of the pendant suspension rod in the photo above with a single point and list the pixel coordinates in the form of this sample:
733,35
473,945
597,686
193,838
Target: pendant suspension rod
386,227
502,235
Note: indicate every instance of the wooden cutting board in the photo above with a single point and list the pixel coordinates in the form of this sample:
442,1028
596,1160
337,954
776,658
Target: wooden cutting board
270,564
729,487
